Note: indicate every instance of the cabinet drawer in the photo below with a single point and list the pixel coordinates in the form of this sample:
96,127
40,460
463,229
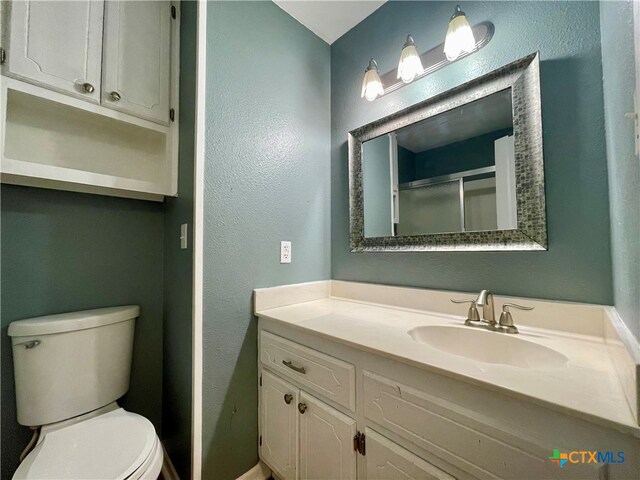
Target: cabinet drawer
320,373
454,434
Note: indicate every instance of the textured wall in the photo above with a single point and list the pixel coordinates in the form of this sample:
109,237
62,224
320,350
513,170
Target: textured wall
616,20
567,34
178,268
65,251
266,179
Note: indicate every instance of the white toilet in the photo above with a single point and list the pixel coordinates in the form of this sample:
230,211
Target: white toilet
69,371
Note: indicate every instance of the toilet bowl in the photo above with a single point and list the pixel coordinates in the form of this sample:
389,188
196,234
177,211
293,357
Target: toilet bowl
109,443
69,370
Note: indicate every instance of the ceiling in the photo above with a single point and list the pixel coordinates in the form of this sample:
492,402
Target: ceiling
329,19
486,115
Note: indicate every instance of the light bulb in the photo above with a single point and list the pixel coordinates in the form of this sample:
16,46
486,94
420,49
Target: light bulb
410,65
459,36
371,84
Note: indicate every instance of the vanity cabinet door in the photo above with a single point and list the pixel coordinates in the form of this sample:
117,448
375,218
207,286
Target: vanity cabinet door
57,45
137,58
387,460
279,425
326,441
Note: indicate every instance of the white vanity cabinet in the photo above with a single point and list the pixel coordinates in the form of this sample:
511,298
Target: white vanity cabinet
326,439
354,413
279,424
89,96
387,460
300,435
303,437
55,44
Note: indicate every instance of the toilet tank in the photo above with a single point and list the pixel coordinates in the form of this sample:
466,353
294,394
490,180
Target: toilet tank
72,363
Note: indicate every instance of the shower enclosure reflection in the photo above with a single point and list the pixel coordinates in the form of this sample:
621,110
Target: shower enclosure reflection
452,172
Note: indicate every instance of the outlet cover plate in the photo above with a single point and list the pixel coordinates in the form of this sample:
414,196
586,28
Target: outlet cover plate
285,252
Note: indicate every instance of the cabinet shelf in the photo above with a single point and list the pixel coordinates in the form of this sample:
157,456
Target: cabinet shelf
52,140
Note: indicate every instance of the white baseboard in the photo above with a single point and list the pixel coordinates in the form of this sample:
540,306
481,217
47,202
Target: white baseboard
259,472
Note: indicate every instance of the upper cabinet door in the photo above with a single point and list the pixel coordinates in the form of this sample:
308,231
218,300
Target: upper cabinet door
57,45
137,58
326,441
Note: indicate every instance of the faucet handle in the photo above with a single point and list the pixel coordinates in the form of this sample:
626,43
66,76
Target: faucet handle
505,307
472,314
506,320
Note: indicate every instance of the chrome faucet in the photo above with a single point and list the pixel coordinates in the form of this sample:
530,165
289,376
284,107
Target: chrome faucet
485,300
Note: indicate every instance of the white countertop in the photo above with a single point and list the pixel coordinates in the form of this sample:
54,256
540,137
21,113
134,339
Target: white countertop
587,385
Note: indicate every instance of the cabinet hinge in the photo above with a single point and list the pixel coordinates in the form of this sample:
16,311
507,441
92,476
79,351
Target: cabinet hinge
173,11
260,440
3,55
360,443
172,114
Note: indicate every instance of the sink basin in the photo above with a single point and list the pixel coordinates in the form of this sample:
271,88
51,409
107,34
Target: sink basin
488,347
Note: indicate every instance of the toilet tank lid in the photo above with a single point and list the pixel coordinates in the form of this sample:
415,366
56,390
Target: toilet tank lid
69,322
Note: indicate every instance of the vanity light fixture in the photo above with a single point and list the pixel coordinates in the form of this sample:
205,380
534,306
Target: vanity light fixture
461,40
410,65
371,85
459,36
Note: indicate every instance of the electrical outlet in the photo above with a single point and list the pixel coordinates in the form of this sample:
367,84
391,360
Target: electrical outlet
285,252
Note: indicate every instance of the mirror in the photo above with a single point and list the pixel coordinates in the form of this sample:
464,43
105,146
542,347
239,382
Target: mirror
453,172
463,170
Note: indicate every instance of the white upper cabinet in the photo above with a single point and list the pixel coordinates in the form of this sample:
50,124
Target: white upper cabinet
89,96
137,58
58,45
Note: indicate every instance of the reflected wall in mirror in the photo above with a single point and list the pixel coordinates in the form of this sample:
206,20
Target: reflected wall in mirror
461,171
453,172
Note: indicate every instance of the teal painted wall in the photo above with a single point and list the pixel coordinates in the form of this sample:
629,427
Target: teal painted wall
469,154
406,165
376,180
266,180
64,251
567,34
616,20
178,267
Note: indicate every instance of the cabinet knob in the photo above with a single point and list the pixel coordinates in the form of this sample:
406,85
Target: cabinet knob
115,96
302,407
87,87
287,398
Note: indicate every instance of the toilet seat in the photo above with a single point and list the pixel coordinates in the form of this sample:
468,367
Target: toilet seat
114,445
